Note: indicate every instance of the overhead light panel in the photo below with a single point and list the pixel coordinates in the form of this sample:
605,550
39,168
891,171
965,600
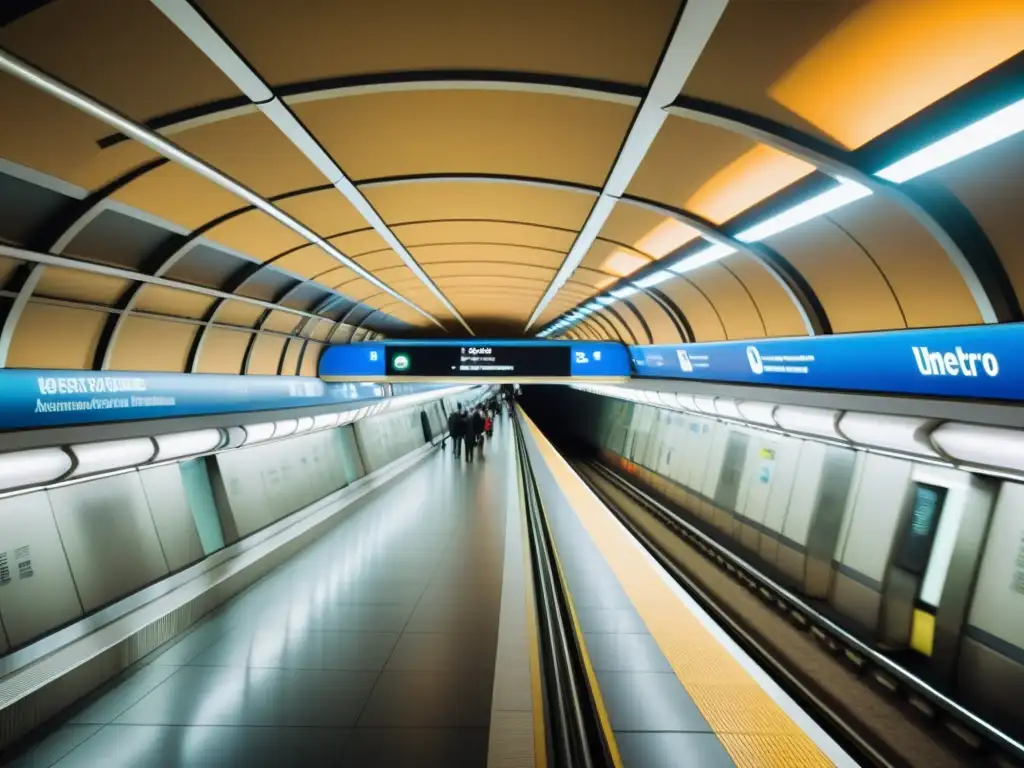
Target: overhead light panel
624,292
989,130
845,193
606,300
702,258
654,279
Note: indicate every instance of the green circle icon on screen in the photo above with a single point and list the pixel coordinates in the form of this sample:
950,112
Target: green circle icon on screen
400,362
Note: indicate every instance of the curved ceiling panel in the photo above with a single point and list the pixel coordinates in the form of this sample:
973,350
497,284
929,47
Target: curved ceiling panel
988,183
92,51
177,195
741,317
704,317
683,157
778,312
429,201
913,263
253,151
603,39
485,233
525,134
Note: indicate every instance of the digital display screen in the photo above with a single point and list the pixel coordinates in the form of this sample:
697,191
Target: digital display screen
482,360
916,546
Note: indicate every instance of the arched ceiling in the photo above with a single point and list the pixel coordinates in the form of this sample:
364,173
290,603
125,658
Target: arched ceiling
227,185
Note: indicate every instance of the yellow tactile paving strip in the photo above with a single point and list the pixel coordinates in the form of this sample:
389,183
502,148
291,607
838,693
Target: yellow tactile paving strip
752,727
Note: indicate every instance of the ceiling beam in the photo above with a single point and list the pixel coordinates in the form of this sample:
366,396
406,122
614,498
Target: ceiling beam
198,29
691,32
954,228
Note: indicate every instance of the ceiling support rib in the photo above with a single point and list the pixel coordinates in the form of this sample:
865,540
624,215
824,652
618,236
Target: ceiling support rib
607,327
953,227
614,313
25,72
29,278
197,28
675,314
693,28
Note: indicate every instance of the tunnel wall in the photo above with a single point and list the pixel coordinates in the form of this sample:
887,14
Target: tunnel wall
828,521
73,549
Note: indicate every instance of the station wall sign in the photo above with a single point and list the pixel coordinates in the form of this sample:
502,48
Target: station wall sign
44,398
984,362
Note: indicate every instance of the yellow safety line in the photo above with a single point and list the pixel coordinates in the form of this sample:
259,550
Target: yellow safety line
751,726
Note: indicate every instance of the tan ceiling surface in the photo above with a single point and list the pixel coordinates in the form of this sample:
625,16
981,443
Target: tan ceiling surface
481,133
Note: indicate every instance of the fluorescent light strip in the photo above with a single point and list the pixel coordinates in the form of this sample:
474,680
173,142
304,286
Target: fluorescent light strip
654,279
702,258
34,77
624,292
606,300
847,192
989,130
192,24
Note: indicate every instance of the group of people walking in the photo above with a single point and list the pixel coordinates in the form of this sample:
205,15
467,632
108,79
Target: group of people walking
471,426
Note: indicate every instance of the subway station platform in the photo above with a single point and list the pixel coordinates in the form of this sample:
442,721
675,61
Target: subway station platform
374,646
406,637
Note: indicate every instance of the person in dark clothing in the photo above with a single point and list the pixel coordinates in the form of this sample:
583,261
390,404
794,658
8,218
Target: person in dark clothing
457,429
474,433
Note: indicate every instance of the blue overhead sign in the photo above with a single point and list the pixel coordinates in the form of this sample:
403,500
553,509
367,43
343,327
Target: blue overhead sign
977,362
31,398
475,358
